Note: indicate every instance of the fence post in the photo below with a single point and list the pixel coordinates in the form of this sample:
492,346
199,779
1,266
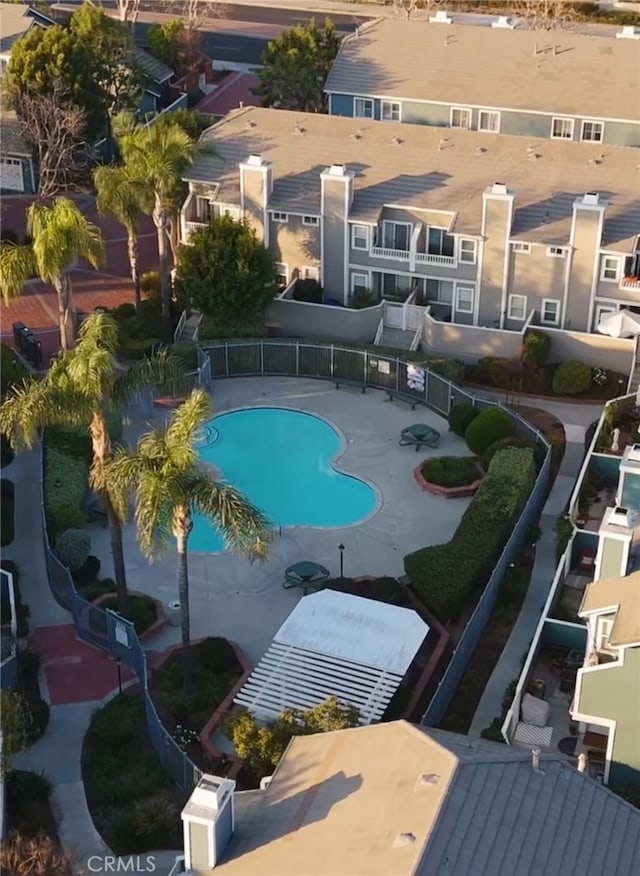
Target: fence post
261,357
365,362
397,373
449,400
297,358
226,358
332,361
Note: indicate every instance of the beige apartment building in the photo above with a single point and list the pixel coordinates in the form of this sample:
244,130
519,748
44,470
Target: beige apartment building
485,230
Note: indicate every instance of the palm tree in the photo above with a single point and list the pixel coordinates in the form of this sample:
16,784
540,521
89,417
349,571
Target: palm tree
168,484
126,199
60,236
80,389
160,155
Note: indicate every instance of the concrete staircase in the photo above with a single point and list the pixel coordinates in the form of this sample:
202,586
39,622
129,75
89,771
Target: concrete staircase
393,337
190,331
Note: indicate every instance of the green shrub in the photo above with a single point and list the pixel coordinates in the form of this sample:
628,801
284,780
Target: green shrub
6,451
361,298
489,426
308,290
131,350
19,728
214,330
450,369
72,548
146,823
187,354
95,588
124,311
7,512
511,441
445,575
489,370
12,371
536,346
74,442
142,612
572,378
461,417
150,285
451,471
64,517
88,572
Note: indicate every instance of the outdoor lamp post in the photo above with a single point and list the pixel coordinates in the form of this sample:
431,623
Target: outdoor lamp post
341,549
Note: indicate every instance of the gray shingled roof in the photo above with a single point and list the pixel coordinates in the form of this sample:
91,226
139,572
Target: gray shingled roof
553,72
500,818
425,167
15,21
156,70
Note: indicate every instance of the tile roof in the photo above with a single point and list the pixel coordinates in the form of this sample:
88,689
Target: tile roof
11,142
426,167
621,595
15,21
542,71
156,70
398,800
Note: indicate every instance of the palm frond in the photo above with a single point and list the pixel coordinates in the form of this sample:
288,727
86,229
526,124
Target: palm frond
122,196
244,528
61,235
99,330
17,266
39,403
164,369
181,430
160,155
120,476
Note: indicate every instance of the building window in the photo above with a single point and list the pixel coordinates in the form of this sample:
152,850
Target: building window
439,291
311,273
204,209
556,252
359,283
310,220
362,108
604,627
467,251
517,307
602,312
592,132
524,248
464,299
562,129
280,217
610,269
440,243
396,235
460,118
12,162
489,121
550,313
396,286
390,111
282,274
360,237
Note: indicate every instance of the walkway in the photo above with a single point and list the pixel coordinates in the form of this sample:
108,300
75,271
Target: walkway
575,418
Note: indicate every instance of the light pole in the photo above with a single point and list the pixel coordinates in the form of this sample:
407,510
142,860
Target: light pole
341,549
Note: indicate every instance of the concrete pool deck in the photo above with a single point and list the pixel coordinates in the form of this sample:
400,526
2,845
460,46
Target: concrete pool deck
245,602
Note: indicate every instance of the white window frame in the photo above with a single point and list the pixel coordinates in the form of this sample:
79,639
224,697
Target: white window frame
461,109
556,252
603,310
354,237
522,248
468,308
443,233
310,220
544,320
512,300
311,272
464,252
202,201
12,162
570,122
365,103
486,130
281,218
604,625
603,269
353,285
284,271
596,122
390,105
438,300
394,223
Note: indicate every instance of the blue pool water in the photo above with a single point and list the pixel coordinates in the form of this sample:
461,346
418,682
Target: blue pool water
282,461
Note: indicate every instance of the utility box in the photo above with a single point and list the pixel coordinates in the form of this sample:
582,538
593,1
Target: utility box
208,822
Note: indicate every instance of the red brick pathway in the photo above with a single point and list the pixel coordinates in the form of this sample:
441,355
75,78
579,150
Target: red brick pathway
74,672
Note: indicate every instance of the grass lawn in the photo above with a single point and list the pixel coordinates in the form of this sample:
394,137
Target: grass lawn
132,799
451,471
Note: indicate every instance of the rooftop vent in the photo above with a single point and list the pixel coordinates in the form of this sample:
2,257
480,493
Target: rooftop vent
356,135
620,517
596,161
633,452
441,17
504,22
255,160
427,780
250,124
498,188
405,839
298,129
591,199
629,33
397,141
338,170
534,156
479,150
535,760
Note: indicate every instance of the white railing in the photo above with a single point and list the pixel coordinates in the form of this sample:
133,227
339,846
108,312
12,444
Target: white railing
414,316
178,867
630,283
196,330
382,252
194,225
443,261
379,332
393,314
415,341
288,290
180,327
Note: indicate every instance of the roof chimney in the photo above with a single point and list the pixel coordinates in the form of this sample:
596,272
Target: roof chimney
591,198
441,17
498,188
208,822
504,22
535,759
582,762
629,33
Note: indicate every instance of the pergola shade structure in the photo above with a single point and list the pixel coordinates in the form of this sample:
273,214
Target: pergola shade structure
335,644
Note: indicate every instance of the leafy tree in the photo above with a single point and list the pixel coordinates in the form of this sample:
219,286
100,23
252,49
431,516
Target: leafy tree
83,388
160,155
227,272
262,745
168,485
126,199
60,236
169,43
295,67
192,122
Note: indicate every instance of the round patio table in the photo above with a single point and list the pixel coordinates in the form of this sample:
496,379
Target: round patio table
305,574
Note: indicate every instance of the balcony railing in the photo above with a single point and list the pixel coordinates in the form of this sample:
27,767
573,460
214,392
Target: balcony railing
429,259
382,252
630,283
194,225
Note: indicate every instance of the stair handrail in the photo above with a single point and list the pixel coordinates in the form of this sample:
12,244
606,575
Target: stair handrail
376,340
180,327
196,331
634,363
417,337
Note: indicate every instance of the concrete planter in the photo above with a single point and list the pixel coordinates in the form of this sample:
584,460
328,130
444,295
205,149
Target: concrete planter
447,492
172,613
155,626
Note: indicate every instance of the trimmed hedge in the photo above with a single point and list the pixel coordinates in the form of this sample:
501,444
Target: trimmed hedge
536,347
572,378
487,428
451,471
461,417
72,548
445,575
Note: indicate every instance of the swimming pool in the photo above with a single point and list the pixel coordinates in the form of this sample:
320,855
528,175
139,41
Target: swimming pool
282,461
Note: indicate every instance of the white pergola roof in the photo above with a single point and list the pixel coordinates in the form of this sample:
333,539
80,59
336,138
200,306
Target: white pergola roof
335,644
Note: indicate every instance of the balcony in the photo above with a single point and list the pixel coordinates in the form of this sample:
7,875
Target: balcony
630,283
381,252
192,226
442,260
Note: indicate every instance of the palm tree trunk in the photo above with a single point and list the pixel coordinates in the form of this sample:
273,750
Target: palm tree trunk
66,316
132,249
101,447
182,528
160,220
